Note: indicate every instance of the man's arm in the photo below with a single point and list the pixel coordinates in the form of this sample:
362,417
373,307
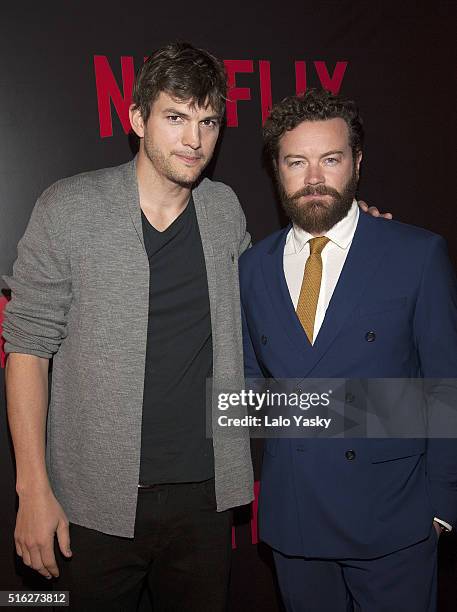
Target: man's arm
34,327
245,236
435,324
39,515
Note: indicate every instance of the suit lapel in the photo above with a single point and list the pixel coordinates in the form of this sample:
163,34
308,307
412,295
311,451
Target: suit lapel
278,292
365,255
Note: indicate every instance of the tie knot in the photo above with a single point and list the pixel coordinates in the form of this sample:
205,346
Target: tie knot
316,245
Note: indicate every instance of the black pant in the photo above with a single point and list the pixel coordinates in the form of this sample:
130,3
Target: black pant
181,552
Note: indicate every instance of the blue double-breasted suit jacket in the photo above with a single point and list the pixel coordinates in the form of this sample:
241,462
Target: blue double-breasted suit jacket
393,314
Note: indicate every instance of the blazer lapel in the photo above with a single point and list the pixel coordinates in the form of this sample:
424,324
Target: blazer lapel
365,255
278,292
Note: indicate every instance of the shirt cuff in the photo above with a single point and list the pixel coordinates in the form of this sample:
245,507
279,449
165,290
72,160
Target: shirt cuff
443,523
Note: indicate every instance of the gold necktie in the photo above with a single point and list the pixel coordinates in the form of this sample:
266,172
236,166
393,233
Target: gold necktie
310,287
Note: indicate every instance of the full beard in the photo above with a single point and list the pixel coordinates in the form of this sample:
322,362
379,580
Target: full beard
317,216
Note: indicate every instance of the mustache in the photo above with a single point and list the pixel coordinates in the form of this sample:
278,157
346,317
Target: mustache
317,190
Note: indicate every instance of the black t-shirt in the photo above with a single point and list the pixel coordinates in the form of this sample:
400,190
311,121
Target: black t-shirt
179,356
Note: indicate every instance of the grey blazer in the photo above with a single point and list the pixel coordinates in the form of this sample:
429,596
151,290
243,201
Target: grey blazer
80,292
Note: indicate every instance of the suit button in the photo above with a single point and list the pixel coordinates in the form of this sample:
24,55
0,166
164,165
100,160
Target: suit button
370,336
298,389
264,340
350,397
350,455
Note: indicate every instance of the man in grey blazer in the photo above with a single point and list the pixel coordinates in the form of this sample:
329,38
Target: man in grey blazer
127,278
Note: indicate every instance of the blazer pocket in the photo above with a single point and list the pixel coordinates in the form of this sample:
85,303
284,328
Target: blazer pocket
389,450
380,306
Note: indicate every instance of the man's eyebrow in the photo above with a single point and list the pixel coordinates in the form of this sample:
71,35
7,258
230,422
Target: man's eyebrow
332,153
300,156
297,155
213,117
174,111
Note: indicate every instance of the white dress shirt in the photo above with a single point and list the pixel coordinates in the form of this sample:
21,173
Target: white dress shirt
296,252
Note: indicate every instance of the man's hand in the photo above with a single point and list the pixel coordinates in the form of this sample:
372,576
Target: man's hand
39,517
373,211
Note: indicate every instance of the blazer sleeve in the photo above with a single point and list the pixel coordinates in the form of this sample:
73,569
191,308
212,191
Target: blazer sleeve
435,325
36,317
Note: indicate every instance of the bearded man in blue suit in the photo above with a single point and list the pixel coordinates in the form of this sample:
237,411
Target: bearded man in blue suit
353,523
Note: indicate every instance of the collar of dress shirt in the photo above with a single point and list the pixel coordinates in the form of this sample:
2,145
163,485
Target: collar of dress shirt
341,234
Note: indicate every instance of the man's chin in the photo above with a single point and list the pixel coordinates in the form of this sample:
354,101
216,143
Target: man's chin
313,225
314,204
314,215
187,177
185,180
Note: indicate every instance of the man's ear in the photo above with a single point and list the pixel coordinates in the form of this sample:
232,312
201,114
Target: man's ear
358,159
136,120
274,166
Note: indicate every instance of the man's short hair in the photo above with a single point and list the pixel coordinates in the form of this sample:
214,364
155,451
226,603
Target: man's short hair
314,105
186,74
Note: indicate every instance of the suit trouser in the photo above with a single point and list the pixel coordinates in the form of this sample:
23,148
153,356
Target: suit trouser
181,553
403,581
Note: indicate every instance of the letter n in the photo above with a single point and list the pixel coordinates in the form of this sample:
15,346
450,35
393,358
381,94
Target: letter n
108,91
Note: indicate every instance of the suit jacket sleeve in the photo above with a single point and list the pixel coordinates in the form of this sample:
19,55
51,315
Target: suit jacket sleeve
435,325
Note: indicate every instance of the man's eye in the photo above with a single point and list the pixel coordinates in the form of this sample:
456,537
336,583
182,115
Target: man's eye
211,123
331,161
296,163
173,118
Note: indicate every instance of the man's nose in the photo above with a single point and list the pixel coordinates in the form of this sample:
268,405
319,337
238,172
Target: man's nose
191,135
314,175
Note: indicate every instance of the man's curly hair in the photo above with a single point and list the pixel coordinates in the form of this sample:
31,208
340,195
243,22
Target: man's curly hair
314,105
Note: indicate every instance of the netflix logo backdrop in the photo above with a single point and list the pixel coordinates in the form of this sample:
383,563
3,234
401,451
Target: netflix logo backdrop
66,75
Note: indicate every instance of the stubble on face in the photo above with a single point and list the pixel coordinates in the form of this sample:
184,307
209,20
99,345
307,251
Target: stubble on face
318,215
165,167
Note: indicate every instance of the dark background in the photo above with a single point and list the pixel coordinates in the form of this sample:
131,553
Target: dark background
401,59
